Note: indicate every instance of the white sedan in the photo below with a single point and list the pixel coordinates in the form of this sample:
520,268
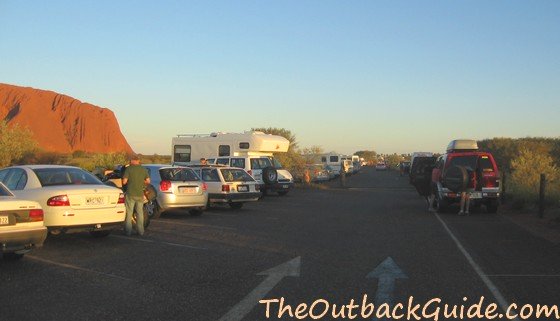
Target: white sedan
73,199
21,225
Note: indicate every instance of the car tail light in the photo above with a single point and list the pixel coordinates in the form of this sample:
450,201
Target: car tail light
165,186
60,200
490,181
225,188
204,187
36,215
121,199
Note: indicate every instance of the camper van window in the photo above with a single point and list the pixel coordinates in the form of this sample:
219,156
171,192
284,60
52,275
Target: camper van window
238,162
222,161
210,175
182,153
334,159
223,150
323,159
244,145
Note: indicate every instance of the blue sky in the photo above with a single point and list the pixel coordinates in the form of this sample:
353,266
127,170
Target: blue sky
392,76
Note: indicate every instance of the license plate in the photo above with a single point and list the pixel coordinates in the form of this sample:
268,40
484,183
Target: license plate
285,186
95,200
4,220
475,195
242,188
187,190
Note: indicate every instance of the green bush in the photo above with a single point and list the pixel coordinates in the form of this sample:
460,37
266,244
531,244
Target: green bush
15,142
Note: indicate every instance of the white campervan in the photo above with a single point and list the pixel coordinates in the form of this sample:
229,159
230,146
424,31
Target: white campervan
332,160
251,150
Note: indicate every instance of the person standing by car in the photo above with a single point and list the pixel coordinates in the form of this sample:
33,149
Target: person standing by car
135,178
466,194
343,170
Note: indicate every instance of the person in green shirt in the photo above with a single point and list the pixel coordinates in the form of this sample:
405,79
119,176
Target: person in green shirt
135,178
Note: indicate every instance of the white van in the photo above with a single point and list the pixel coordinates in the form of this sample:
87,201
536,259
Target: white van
251,150
332,160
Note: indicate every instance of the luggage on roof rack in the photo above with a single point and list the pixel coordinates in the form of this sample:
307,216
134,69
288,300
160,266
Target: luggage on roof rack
462,145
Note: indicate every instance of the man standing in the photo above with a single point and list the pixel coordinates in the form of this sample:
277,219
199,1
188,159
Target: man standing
135,178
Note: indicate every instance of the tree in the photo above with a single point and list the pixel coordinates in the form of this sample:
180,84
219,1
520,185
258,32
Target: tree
309,154
292,160
108,161
367,155
526,171
15,142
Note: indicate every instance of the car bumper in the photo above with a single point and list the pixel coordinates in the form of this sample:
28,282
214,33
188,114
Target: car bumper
16,240
169,201
234,197
277,187
86,227
68,217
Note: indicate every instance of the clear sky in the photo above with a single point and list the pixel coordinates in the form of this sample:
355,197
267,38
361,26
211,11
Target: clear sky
392,76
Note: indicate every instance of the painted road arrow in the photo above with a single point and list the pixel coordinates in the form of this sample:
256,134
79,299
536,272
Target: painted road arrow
387,272
275,275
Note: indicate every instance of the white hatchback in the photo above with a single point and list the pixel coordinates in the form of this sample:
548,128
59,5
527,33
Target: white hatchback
229,185
72,199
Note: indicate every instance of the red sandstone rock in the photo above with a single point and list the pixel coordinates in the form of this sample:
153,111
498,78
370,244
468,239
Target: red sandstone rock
61,123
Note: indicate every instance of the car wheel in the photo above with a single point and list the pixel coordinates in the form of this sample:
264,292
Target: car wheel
282,193
236,206
196,212
100,234
269,175
456,178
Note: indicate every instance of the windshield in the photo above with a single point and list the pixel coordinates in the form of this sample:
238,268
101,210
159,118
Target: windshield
65,176
276,163
178,174
260,163
236,175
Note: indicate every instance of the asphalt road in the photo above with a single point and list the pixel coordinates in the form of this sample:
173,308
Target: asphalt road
207,267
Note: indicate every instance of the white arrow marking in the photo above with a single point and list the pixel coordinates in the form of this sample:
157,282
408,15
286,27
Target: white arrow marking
387,272
275,275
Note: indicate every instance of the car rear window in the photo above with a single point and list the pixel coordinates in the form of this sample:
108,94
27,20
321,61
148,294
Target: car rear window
260,163
65,176
178,174
465,161
236,175
485,164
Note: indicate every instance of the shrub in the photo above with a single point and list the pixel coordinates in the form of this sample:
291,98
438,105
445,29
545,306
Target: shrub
15,142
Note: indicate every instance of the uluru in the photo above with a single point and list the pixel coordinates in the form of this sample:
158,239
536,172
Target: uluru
60,123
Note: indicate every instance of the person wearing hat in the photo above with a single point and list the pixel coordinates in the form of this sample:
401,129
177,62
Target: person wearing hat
135,178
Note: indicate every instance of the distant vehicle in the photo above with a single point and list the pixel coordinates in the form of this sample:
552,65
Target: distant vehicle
459,168
73,200
332,160
177,188
318,173
404,168
381,166
348,164
248,148
21,225
229,185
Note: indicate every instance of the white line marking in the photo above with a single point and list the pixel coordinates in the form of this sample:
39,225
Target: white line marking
193,224
274,276
489,284
77,268
158,242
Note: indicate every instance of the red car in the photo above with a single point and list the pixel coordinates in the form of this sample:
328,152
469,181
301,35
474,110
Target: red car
464,167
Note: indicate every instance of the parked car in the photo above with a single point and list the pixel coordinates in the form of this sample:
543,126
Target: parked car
229,185
268,172
177,187
318,173
21,225
458,169
381,167
72,199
